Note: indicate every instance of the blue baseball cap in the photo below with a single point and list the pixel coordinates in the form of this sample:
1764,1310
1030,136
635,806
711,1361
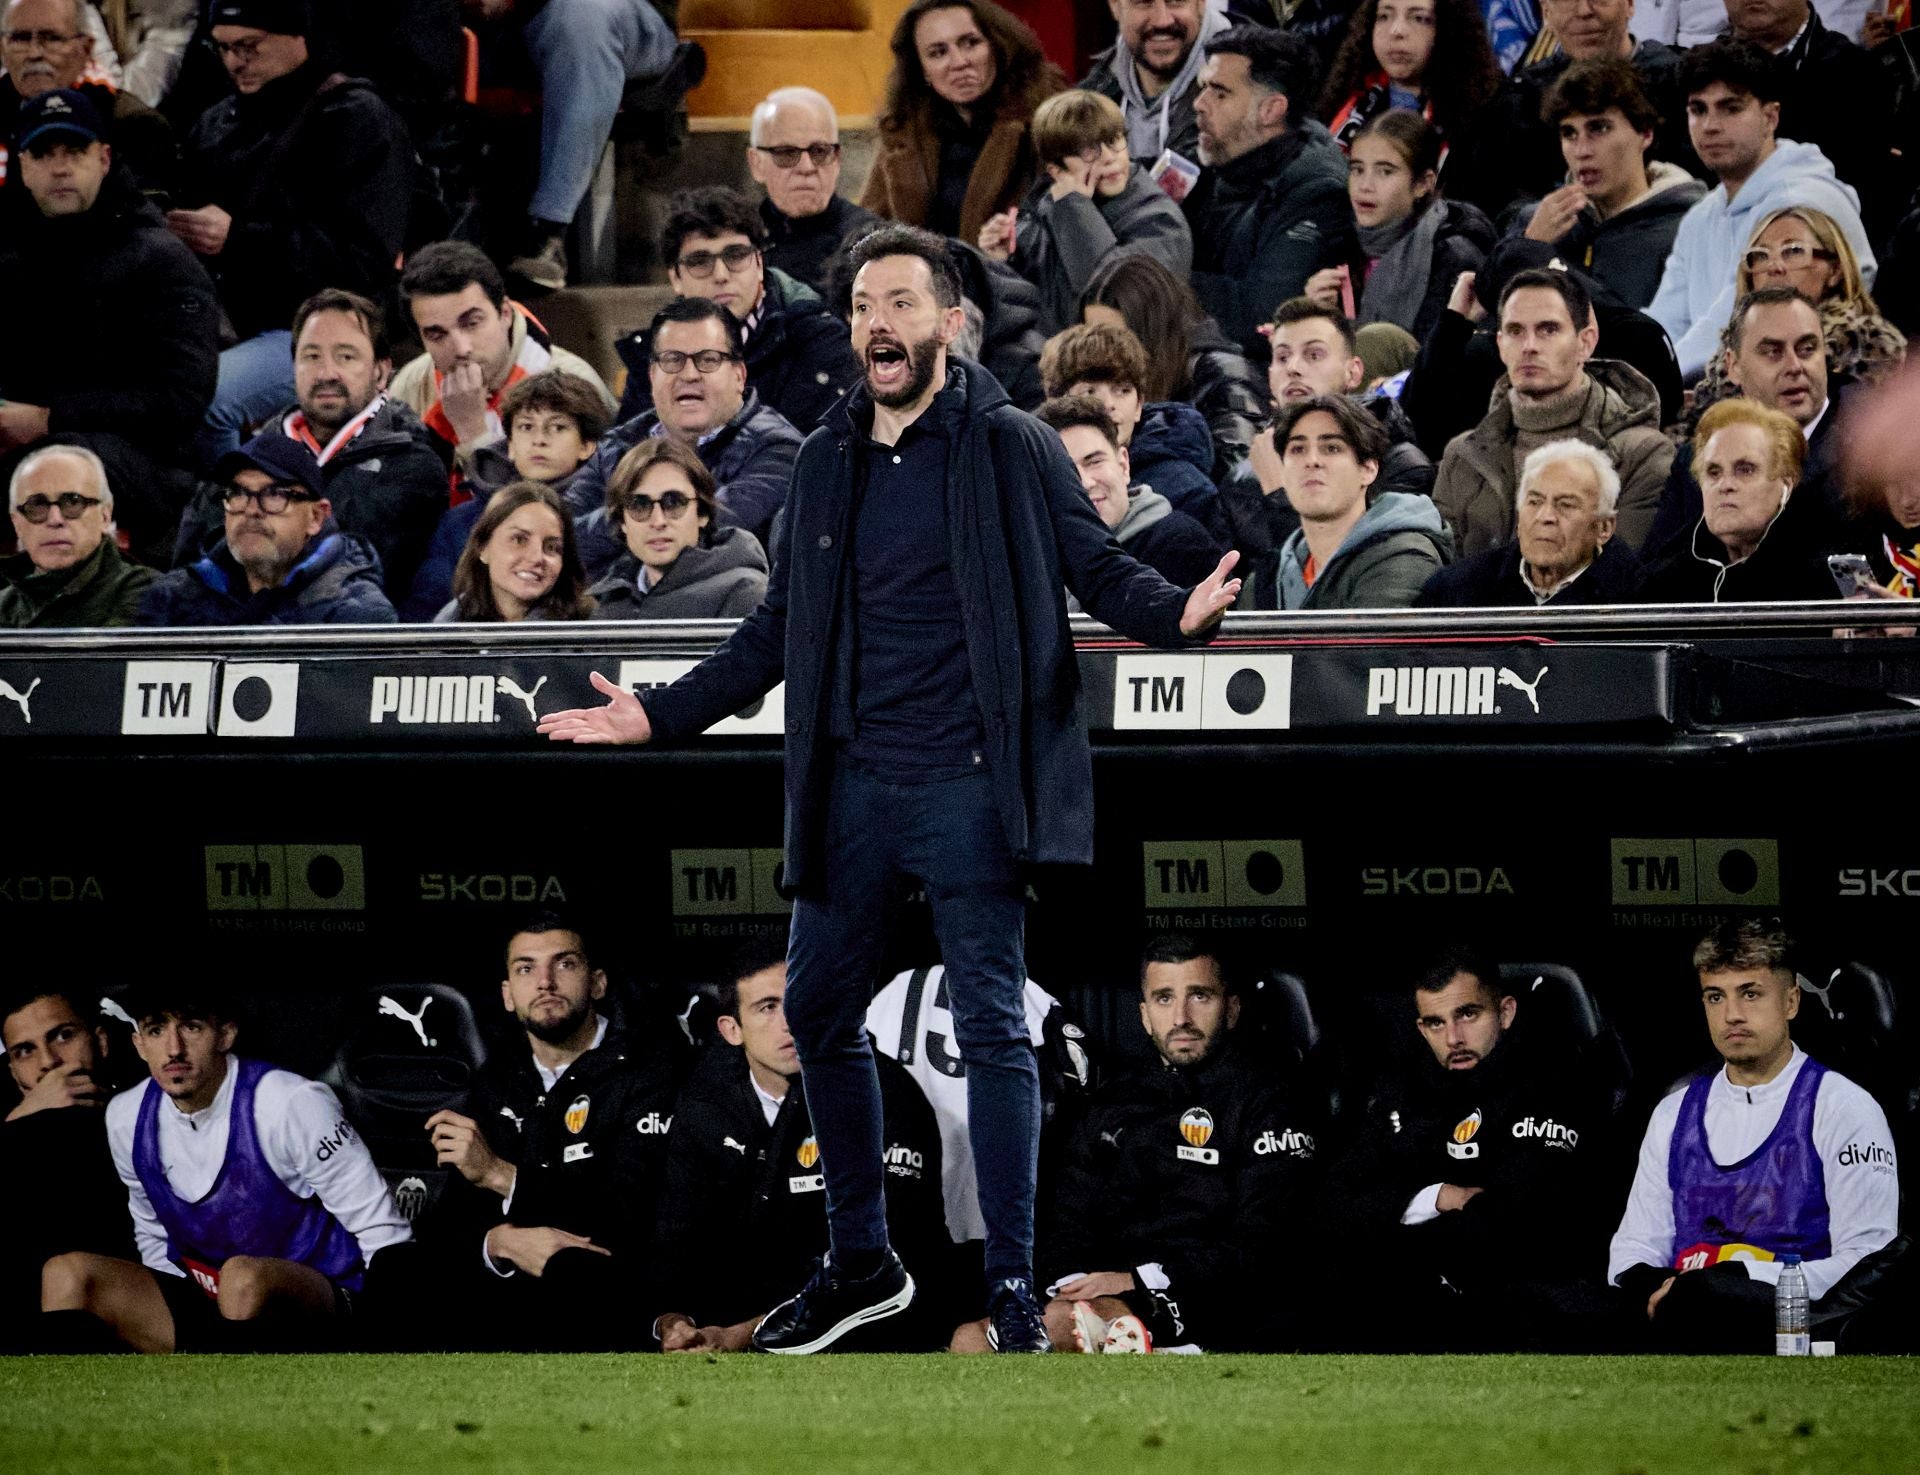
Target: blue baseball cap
63,112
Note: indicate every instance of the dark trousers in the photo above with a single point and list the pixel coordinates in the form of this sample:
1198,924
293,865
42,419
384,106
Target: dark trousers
946,835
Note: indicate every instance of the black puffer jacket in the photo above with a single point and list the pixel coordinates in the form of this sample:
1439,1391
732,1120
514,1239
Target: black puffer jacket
799,357
1010,304
328,210
336,582
1226,388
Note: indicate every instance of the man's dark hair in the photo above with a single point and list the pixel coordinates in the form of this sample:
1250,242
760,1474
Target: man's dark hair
1440,968
1762,297
1745,944
447,267
549,919
714,210
1357,424
366,313
1183,947
1572,292
17,996
183,997
1066,411
1279,61
751,957
910,240
699,310
1305,309
1591,87
1741,65
556,392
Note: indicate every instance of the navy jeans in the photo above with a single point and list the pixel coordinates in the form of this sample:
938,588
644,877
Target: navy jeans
948,836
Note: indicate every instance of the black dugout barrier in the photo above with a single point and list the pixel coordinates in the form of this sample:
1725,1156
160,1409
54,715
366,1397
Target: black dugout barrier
312,813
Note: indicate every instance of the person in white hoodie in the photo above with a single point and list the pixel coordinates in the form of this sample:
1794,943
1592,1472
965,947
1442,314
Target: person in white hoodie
1733,114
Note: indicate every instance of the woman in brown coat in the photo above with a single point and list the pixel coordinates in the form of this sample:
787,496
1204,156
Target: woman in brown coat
954,142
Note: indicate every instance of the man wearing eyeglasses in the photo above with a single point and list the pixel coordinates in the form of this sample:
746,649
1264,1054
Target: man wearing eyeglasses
68,573
793,152
799,356
283,560
697,375
45,47
112,329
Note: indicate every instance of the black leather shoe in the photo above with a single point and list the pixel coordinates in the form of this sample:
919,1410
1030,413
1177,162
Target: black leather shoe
828,1307
1014,1322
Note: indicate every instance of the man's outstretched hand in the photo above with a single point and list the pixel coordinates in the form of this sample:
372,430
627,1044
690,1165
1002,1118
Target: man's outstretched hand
1211,598
622,720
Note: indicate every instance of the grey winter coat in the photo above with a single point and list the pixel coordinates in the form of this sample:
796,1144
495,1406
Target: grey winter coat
1058,243
722,581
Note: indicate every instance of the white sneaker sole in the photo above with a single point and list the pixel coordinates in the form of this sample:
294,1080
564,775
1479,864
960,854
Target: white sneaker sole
879,1311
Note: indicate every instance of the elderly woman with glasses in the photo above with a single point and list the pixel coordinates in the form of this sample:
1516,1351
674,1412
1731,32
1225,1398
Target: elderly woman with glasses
1802,248
681,563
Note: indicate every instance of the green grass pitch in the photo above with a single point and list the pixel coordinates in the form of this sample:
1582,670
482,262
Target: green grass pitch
559,1415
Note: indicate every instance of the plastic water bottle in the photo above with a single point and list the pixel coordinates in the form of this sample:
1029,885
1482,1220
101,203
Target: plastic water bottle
1792,1325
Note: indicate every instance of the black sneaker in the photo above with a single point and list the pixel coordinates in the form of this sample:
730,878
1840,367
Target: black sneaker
544,265
1014,1322
827,1308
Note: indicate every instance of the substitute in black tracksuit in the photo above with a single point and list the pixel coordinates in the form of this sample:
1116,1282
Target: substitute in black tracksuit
1191,1178
744,1210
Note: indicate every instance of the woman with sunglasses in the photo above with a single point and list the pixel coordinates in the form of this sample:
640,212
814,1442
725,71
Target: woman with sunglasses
1802,248
679,564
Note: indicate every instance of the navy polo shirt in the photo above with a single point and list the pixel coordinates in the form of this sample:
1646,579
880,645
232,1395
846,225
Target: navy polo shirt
914,715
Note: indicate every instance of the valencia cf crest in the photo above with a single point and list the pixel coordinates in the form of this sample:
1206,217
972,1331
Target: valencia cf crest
1463,1145
809,1153
1196,1130
577,1114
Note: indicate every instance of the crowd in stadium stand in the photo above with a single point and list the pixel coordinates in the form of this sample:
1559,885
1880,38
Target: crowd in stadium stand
1461,1177
1410,302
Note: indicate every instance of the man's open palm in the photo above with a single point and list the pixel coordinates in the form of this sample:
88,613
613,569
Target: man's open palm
1211,598
622,720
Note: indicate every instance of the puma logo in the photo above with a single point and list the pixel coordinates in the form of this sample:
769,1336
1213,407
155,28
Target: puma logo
506,686
739,1147
21,699
417,1020
1525,688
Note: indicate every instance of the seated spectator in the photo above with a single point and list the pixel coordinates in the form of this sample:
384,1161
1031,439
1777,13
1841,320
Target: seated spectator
793,152
520,562
479,345
256,1208
1760,536
1618,212
1153,71
1428,56
1008,340
152,43
88,263
1802,250
1270,210
1142,521
299,182
561,1152
69,572
283,561
954,147
380,467
680,564
1182,1178
1775,356
1351,550
1733,91
744,1211
1523,159
46,48
1192,362
698,375
1553,389
1884,524
799,355
1771,1155
553,423
585,52
1563,551
1167,444
1818,67
1485,1139
1093,201
1414,244
55,1134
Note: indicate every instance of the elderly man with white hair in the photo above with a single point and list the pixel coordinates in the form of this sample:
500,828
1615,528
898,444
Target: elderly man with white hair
69,572
793,151
1563,549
